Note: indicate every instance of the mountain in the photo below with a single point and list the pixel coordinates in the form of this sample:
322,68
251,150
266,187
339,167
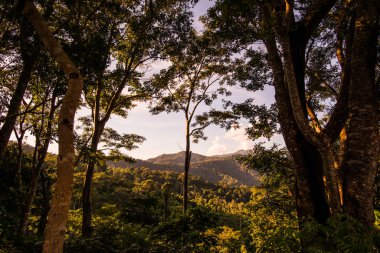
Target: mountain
177,158
219,169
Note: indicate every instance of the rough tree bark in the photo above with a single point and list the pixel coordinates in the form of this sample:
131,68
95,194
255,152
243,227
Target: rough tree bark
357,102
293,37
362,147
58,214
293,47
310,196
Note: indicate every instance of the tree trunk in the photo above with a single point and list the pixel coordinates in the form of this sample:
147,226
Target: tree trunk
310,192
362,145
29,58
310,164
293,46
58,214
186,169
330,167
86,192
86,201
46,197
19,166
29,200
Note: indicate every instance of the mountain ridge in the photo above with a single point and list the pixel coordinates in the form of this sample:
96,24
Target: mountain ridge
218,169
198,156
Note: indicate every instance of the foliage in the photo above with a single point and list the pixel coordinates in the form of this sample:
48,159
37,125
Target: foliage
187,233
341,234
129,206
10,199
197,76
262,120
274,224
13,196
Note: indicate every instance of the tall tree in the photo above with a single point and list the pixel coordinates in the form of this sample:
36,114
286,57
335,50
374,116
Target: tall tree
311,49
20,130
197,75
29,51
55,229
361,158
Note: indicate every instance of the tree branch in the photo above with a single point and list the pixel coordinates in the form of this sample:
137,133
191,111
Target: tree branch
313,117
24,112
315,14
175,100
323,82
339,115
203,96
192,86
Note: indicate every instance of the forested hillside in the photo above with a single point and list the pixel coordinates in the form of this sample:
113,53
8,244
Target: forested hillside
90,89
220,169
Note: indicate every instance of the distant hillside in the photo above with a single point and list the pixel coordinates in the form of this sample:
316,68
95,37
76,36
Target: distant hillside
222,169
177,158
215,169
27,149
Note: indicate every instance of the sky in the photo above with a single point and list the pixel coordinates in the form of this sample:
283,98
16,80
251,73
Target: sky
165,133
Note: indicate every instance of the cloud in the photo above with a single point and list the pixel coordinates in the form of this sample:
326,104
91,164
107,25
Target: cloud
156,66
235,138
217,149
239,137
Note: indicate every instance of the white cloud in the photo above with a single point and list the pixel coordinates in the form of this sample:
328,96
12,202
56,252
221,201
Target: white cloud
237,134
156,66
236,139
233,138
239,137
217,149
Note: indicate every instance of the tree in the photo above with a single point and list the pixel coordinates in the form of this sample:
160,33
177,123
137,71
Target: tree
46,93
29,51
295,33
20,129
274,218
55,229
129,35
197,66
361,160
